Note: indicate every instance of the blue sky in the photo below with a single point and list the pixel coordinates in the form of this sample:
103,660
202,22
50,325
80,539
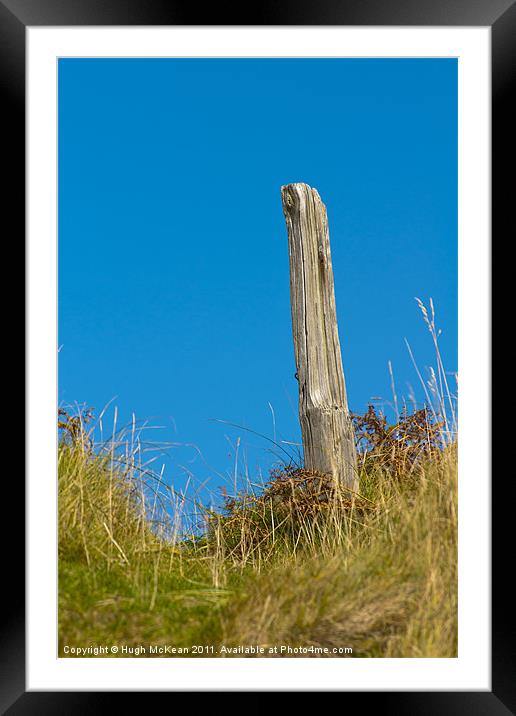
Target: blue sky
173,262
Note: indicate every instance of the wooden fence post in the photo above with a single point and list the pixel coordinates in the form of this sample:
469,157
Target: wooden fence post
326,427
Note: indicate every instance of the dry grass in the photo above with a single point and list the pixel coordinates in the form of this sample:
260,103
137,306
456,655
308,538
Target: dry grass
300,564
385,587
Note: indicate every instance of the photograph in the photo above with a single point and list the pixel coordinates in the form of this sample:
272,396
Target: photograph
258,256
257,346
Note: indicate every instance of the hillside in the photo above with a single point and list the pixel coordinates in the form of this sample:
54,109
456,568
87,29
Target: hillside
297,569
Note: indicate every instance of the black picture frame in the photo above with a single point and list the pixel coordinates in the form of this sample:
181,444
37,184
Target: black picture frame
500,15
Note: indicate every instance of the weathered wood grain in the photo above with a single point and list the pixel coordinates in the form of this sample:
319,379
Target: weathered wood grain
326,427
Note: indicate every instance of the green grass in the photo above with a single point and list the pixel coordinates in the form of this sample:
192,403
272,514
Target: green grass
376,573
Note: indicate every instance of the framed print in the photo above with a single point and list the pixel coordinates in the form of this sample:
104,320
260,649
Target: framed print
258,260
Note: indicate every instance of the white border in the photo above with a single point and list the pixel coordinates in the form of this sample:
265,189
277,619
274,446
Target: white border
471,670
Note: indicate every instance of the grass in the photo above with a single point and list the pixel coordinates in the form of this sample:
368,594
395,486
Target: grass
384,584
297,568
375,572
